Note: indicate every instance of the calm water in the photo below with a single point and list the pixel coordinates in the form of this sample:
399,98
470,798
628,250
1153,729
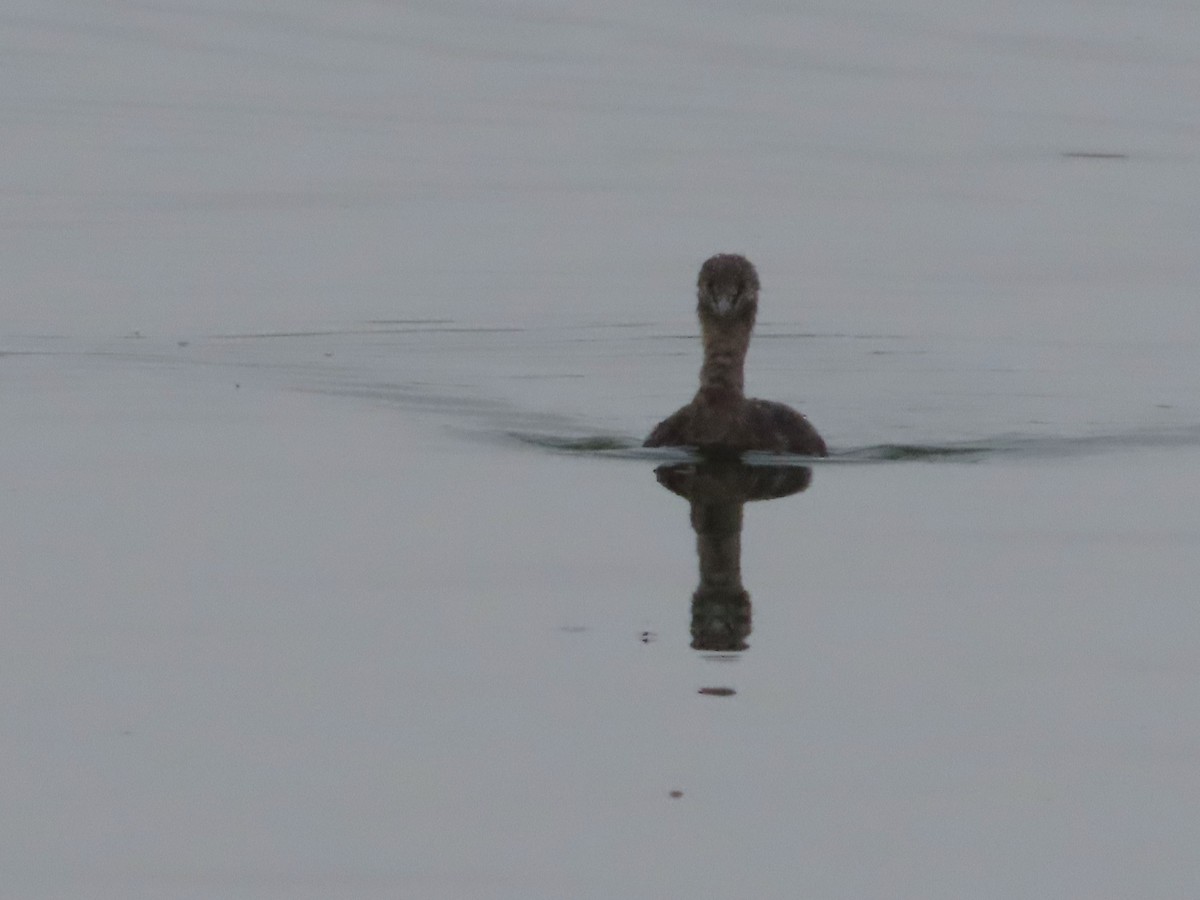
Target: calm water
388,611
333,566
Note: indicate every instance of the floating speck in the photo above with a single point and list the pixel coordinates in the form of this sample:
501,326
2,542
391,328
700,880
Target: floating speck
1093,154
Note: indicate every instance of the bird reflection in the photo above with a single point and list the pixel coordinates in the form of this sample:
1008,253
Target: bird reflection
717,490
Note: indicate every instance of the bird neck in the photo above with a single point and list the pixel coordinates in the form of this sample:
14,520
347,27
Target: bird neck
722,374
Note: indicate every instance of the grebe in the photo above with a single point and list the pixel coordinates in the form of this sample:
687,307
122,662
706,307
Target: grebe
720,420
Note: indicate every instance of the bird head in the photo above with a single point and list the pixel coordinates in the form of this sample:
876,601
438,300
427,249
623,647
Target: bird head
727,289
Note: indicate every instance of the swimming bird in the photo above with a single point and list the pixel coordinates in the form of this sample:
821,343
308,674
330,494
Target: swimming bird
721,420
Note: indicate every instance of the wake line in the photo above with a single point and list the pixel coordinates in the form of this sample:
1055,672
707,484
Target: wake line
1009,446
561,434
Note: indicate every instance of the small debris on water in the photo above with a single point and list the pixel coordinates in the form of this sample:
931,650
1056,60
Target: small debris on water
718,691
675,795
1093,154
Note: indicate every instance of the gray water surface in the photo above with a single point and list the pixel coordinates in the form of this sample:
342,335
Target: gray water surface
371,612
333,566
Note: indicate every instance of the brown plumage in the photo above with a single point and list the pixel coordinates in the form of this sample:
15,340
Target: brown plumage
721,420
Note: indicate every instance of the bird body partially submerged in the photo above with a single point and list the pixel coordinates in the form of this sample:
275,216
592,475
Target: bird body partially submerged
737,428
721,420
